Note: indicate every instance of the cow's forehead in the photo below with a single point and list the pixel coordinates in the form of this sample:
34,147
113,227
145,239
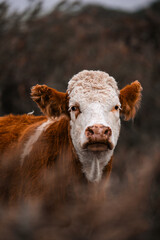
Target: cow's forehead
92,86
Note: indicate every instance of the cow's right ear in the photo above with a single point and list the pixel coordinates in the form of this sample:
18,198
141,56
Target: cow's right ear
51,102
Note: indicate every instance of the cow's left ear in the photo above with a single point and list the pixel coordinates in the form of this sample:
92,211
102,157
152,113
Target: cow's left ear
51,102
130,98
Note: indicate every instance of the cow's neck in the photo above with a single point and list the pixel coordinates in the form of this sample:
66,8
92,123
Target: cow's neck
93,165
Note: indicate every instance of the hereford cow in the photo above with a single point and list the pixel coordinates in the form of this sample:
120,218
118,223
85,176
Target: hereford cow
77,134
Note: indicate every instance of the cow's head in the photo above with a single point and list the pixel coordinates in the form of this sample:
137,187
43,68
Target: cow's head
94,105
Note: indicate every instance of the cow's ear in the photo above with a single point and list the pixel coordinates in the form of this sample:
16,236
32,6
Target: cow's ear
51,102
130,98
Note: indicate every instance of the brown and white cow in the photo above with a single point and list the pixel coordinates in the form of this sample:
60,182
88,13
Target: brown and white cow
78,133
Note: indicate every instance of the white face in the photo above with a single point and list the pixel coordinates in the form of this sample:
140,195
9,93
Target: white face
95,122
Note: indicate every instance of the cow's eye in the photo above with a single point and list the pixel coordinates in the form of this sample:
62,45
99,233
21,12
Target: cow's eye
74,108
116,107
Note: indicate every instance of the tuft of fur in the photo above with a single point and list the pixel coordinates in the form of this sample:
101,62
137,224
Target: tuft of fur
90,80
92,86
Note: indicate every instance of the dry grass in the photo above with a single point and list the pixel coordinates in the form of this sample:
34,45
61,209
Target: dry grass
129,210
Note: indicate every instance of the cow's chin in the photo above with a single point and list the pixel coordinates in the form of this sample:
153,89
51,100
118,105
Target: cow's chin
98,146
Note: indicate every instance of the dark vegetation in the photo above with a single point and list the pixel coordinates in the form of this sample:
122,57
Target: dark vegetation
50,49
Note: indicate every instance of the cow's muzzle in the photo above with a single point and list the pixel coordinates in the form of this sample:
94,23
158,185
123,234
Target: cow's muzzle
98,138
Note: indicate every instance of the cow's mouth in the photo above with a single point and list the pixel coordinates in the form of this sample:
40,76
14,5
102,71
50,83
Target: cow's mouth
98,146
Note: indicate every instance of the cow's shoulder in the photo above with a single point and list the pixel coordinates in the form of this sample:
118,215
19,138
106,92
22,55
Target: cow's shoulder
13,126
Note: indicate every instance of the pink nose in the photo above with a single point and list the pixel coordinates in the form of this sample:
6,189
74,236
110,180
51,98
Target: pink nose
98,133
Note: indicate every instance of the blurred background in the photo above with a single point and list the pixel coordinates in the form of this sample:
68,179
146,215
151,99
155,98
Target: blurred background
47,42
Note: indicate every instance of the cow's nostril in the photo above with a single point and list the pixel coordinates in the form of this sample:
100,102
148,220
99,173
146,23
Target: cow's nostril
106,132
91,131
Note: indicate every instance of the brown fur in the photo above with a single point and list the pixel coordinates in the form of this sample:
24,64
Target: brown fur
130,97
12,127
52,162
52,153
50,101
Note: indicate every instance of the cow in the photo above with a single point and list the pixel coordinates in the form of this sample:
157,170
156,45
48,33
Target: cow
76,135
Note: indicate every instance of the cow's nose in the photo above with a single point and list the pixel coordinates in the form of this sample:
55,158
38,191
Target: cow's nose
98,132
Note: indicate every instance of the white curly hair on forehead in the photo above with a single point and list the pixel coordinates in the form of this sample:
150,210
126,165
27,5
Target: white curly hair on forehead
88,80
